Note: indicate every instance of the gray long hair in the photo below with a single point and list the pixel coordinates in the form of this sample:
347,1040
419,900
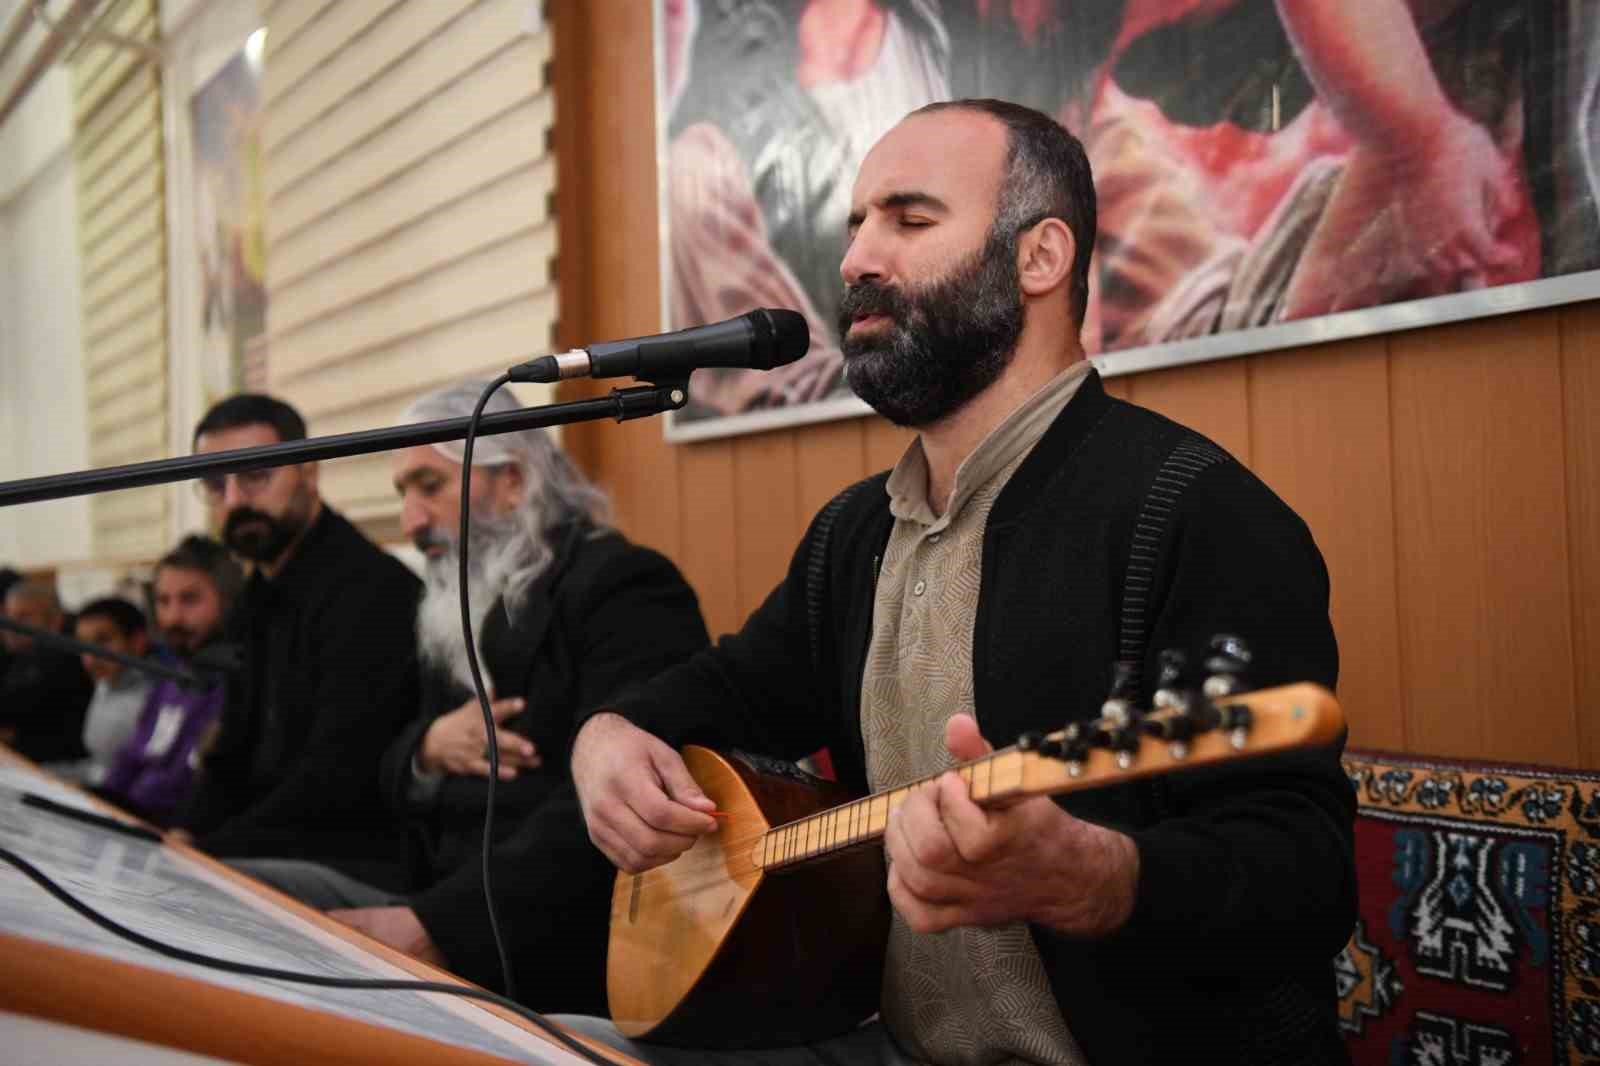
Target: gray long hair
557,494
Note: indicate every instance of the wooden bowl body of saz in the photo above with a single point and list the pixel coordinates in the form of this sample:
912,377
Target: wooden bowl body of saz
712,951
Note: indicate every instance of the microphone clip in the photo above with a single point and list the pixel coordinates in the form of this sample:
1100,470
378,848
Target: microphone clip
642,401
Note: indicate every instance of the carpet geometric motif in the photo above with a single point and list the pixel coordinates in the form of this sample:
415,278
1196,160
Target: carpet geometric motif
1478,941
1366,981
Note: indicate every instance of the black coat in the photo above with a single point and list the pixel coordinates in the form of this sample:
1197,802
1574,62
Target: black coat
605,615
329,680
44,695
608,616
1246,885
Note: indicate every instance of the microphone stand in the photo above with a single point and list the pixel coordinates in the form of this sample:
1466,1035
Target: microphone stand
669,393
148,666
638,401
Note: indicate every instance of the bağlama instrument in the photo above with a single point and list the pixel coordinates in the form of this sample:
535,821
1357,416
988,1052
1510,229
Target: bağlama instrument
777,922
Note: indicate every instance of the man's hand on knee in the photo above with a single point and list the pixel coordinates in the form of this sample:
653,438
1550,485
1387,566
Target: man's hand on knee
398,927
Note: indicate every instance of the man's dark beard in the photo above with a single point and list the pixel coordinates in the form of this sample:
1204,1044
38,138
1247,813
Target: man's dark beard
946,342
266,541
185,642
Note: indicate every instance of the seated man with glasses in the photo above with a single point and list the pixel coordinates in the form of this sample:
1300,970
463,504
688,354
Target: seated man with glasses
325,625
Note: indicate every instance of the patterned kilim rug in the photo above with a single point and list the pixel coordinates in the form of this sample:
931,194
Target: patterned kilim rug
1478,940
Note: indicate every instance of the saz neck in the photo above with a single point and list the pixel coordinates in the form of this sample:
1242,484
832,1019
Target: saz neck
1277,719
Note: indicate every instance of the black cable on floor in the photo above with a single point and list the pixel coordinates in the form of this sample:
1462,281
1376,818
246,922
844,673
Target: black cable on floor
43,880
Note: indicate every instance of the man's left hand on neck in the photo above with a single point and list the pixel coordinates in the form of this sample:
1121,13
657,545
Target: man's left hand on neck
953,863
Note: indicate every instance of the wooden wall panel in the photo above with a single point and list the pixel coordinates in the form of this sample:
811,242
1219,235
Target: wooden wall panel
1319,425
828,457
120,197
708,532
765,474
1580,376
1211,398
396,260
886,442
1481,524
1451,476
642,477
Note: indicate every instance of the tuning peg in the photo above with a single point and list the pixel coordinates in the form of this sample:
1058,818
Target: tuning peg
1072,747
1235,719
1172,665
1226,666
1047,746
1123,740
1180,728
1235,648
1125,681
1118,706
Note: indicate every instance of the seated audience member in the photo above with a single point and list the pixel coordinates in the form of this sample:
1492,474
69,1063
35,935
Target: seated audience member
45,692
119,691
324,624
566,613
153,771
8,577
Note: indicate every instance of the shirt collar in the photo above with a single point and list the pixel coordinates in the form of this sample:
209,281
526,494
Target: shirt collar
1016,434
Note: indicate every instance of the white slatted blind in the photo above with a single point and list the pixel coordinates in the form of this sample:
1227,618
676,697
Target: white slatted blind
118,163
409,217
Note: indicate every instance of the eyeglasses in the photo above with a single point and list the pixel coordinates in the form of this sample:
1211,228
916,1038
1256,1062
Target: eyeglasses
212,487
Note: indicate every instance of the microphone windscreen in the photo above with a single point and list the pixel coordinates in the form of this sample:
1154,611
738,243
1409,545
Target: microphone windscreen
790,337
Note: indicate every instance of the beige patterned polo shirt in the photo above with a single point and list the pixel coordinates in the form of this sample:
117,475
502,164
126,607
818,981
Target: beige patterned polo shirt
968,996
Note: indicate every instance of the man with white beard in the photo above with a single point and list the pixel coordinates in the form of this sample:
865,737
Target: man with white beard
566,614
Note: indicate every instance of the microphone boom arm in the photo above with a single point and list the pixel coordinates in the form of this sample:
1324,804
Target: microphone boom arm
638,401
145,665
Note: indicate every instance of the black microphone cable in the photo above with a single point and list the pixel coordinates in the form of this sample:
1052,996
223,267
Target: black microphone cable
508,1001
111,925
491,747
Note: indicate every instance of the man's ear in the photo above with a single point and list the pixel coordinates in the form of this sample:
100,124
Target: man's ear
1044,257
309,472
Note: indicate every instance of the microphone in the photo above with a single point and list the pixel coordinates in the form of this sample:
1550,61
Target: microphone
757,340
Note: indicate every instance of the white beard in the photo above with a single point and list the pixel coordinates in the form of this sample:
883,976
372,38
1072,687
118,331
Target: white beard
499,549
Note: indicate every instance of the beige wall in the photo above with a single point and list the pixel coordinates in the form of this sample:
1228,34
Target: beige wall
1451,475
409,227
42,385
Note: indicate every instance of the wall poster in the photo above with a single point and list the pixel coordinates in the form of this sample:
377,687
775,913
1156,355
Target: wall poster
1271,173
225,117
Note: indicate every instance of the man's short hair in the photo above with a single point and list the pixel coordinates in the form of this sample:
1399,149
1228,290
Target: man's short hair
8,577
27,591
125,616
252,409
1047,175
206,556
